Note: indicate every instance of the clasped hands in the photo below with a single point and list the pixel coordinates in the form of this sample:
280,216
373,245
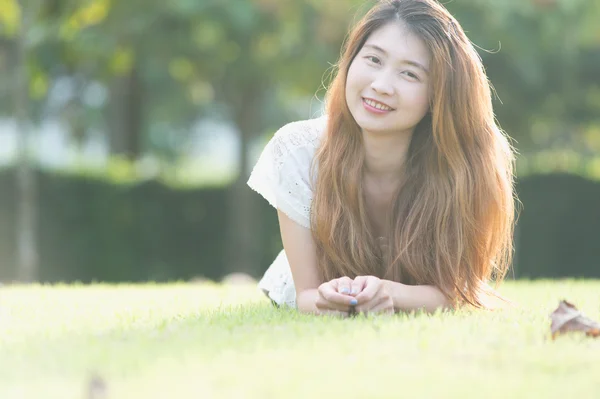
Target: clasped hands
345,296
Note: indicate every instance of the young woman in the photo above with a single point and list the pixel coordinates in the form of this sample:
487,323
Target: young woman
401,196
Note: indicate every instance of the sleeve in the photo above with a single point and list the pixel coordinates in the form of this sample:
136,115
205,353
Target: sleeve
282,172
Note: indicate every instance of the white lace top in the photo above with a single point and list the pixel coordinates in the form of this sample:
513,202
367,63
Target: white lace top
281,175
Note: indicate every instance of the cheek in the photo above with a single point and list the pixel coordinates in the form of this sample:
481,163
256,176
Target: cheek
353,90
420,98
351,81
424,100
358,77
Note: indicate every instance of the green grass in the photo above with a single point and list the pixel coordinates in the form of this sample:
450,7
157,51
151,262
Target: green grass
209,341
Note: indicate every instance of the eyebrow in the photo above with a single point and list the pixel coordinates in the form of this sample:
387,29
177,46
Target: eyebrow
409,62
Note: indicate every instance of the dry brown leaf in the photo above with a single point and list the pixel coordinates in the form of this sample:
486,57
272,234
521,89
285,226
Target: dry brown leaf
567,318
96,387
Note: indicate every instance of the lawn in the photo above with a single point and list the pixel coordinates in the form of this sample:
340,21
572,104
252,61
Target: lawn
210,341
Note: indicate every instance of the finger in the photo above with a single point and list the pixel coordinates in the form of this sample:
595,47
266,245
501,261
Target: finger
371,287
358,284
367,307
344,285
330,294
323,304
378,305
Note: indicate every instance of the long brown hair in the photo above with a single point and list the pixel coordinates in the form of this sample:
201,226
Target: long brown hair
451,221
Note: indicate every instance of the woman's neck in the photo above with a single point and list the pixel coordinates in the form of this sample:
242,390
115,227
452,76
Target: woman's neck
385,155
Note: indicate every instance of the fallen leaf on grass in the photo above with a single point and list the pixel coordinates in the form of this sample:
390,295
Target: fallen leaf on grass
567,318
96,388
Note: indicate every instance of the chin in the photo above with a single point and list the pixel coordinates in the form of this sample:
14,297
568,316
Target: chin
371,126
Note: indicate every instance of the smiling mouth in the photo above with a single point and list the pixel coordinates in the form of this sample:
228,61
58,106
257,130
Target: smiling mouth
377,105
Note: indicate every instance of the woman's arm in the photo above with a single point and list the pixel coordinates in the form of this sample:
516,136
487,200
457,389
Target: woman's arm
312,294
415,297
301,253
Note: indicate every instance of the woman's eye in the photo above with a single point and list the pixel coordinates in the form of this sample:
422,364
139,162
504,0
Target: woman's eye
411,75
373,59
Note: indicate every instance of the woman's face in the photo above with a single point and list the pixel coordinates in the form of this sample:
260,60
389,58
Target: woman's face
387,85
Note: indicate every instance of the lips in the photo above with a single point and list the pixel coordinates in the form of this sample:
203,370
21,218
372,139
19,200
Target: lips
377,104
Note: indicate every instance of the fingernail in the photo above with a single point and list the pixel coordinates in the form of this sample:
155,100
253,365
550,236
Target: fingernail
353,301
344,290
354,291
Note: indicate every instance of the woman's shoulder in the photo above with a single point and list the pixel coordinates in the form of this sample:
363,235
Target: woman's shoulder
301,134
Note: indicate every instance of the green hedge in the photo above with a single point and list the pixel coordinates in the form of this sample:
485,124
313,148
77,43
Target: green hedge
92,230
558,232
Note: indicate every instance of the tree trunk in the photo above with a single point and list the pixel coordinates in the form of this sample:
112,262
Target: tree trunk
26,228
125,115
245,230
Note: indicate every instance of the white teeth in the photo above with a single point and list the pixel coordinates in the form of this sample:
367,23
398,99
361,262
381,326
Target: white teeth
377,105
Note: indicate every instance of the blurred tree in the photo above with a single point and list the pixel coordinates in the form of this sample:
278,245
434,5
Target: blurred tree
26,229
543,57
97,42
253,51
164,65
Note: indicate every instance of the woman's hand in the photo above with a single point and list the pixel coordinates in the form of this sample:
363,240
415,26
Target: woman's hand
372,295
333,297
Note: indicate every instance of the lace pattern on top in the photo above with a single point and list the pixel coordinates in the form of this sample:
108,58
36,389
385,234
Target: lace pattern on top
282,172
282,176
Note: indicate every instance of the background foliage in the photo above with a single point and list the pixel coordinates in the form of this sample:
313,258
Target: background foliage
92,230
142,75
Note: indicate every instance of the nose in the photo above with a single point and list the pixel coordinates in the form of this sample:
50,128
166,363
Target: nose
382,84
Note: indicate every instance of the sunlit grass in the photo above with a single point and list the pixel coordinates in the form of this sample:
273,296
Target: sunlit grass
211,341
